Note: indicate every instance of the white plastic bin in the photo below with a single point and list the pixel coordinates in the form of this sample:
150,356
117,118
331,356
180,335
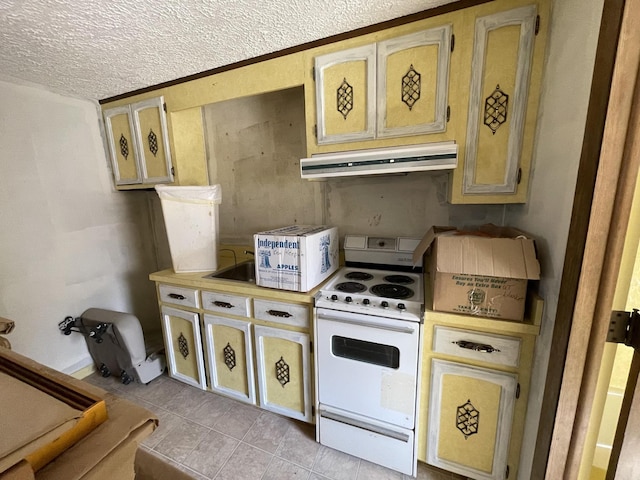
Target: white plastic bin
191,218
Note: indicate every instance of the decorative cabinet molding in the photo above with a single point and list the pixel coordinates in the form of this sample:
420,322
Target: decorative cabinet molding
230,354
183,346
470,416
413,83
284,372
504,88
346,95
500,74
392,88
138,141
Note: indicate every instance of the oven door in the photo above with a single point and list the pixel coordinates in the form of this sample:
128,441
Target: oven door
368,365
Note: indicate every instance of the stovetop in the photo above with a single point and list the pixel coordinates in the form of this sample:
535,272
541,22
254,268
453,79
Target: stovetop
374,292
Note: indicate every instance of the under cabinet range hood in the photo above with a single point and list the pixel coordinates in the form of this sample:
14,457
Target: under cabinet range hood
375,161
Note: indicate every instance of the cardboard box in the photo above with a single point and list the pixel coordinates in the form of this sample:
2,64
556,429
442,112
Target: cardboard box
483,272
42,416
106,452
297,257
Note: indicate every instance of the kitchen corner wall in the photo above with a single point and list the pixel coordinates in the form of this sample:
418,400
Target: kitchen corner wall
68,241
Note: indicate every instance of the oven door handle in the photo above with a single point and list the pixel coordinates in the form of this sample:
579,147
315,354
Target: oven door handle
403,437
364,323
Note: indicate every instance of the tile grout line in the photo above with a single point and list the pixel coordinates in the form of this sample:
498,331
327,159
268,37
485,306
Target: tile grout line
226,461
171,460
240,442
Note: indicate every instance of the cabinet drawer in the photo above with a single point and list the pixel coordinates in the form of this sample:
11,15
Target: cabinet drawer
179,296
485,347
279,312
226,303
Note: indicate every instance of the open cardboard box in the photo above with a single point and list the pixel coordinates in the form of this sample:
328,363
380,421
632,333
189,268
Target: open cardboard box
107,451
483,272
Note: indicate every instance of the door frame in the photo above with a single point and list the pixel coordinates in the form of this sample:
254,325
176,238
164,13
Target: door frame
615,181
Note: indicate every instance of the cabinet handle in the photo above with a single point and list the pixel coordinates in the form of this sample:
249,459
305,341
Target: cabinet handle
218,303
279,313
177,296
476,347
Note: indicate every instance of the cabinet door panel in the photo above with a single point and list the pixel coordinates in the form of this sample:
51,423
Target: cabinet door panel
122,147
470,417
184,349
345,95
153,143
230,354
501,69
284,372
413,77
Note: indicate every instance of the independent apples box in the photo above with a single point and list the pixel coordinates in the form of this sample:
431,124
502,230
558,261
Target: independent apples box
484,272
297,257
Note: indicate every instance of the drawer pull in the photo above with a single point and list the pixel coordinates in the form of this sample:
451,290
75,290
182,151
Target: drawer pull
279,313
477,347
177,296
218,303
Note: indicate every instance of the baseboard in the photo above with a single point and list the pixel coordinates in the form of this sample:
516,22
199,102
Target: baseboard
84,371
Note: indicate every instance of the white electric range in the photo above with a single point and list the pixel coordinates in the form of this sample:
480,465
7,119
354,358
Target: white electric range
367,337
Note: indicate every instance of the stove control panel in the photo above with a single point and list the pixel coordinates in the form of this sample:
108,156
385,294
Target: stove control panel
371,306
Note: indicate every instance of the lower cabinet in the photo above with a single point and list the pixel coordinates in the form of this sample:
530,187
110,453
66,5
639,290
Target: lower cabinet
181,331
230,354
470,417
257,354
284,378
475,382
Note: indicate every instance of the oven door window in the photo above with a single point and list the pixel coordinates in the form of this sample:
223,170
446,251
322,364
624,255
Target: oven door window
367,352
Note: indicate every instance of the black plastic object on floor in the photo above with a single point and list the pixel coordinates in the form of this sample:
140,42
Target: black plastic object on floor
117,345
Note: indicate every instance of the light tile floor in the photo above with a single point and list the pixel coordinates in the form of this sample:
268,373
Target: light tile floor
210,436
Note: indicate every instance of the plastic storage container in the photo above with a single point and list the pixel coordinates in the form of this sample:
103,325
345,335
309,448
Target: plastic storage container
191,219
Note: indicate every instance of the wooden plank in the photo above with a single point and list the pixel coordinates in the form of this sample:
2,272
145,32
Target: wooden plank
94,409
594,128
613,195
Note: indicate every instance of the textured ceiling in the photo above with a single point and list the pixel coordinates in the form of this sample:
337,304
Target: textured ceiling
96,49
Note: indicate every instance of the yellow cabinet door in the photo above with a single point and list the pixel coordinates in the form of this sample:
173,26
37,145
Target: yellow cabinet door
503,97
283,364
183,347
346,95
470,418
138,140
122,146
413,82
230,356
152,140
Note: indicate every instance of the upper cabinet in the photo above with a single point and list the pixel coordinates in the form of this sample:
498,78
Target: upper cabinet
471,76
413,83
505,72
139,143
391,88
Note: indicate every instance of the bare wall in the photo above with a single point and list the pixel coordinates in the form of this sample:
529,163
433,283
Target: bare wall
254,145
68,241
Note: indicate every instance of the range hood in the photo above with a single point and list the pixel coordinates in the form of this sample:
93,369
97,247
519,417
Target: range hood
375,161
